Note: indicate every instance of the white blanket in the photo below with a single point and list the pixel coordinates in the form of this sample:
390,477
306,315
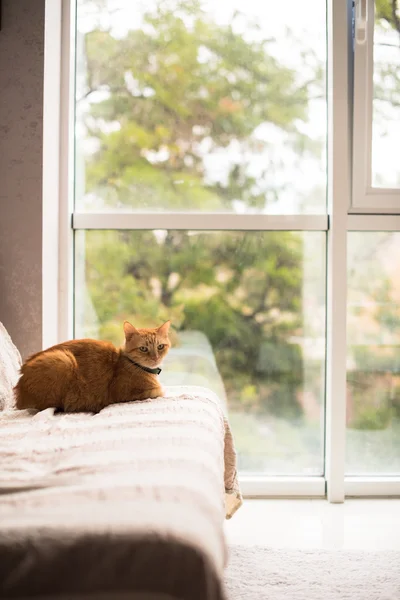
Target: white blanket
117,487
10,362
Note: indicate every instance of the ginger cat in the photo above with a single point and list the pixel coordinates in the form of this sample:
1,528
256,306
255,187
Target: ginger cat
87,375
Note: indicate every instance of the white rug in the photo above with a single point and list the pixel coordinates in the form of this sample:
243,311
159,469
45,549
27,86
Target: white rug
256,573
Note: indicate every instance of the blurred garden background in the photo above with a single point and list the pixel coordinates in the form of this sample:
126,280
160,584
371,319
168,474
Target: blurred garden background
183,106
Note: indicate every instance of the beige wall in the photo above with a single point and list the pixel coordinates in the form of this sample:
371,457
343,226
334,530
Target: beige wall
21,112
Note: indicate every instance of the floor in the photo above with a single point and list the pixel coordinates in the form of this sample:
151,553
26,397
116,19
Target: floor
355,525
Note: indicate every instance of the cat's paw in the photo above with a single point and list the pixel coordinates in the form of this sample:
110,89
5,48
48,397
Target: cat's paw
156,393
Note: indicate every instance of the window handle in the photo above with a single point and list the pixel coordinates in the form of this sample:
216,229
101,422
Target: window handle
361,21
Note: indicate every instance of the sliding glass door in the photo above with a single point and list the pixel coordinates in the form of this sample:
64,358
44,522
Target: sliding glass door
232,166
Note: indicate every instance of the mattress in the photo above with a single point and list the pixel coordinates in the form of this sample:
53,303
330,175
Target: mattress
128,503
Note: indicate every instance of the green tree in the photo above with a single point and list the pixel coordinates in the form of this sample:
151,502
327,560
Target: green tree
162,98
387,11
242,290
178,87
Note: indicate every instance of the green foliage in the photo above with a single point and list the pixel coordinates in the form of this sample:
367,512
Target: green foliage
371,403
160,98
242,290
387,10
178,83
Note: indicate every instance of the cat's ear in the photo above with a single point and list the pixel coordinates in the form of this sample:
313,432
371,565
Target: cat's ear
129,330
163,330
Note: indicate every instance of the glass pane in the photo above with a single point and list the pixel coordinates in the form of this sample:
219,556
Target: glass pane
373,360
248,311
386,100
193,105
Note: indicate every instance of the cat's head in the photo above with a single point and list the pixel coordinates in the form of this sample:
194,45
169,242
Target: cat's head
147,347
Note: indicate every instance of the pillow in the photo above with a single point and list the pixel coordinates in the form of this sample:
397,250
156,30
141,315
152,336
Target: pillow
10,364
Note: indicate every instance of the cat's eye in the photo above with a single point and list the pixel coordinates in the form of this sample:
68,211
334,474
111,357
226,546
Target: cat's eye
143,349
161,346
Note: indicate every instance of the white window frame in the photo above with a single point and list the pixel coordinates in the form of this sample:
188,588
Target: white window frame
60,221
58,172
365,197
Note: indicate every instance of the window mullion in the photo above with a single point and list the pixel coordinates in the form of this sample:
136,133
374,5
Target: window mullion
339,19
200,221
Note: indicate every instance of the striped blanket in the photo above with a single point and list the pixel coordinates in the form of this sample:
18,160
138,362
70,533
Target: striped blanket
126,503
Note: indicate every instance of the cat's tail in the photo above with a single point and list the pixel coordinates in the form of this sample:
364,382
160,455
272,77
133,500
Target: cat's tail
45,379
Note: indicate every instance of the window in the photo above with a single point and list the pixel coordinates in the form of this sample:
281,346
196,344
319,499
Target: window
195,106
376,170
211,172
249,312
373,359
195,123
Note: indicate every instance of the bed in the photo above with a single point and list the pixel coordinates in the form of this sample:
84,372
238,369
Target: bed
128,503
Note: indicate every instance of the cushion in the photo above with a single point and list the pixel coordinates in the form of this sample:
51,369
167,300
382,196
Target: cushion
10,364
